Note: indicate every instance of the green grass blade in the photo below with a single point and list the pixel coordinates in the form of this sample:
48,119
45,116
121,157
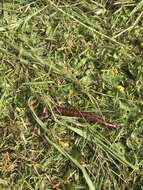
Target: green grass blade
97,141
87,26
138,7
62,151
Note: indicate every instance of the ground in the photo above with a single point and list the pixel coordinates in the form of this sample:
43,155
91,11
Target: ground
85,54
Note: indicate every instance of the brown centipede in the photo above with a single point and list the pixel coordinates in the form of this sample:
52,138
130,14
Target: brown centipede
90,117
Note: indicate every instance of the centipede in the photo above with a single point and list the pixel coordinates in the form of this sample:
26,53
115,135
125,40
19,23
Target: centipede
69,111
89,117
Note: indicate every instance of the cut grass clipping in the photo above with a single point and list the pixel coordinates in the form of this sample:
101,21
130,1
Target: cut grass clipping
83,54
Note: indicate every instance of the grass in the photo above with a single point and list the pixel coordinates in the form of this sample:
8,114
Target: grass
87,54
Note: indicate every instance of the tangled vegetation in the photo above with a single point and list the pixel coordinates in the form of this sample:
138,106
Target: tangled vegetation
82,53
